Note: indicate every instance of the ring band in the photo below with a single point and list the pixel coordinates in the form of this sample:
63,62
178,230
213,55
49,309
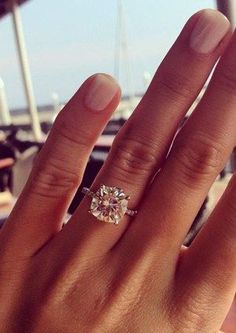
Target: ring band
109,203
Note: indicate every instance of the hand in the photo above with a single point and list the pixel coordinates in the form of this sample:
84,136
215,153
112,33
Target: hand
96,277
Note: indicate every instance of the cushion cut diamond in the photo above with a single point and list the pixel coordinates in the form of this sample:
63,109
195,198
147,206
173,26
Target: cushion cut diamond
109,204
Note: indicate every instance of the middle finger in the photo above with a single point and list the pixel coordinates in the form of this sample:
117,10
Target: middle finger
200,151
141,145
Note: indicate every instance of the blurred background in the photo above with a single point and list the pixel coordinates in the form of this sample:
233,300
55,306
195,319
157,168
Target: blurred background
48,49
68,42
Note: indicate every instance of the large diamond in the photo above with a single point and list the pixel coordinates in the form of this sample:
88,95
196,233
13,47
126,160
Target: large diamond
109,204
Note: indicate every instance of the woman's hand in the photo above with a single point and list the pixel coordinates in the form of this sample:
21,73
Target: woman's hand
93,276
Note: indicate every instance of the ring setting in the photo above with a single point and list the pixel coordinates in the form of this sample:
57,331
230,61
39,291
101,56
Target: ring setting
109,203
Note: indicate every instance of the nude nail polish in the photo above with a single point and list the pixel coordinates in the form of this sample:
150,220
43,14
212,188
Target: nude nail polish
100,92
209,30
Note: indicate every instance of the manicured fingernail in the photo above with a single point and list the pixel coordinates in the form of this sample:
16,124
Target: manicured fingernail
100,92
208,32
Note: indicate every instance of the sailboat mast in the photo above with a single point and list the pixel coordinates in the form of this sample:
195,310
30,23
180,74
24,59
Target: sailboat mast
121,49
117,54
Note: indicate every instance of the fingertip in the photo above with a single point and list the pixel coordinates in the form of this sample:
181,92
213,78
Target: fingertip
213,13
101,91
209,13
209,30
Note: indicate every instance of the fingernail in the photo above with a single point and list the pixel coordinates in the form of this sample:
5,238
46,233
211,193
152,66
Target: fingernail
208,32
100,92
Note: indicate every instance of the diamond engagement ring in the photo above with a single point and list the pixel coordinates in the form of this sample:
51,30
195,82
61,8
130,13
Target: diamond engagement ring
109,204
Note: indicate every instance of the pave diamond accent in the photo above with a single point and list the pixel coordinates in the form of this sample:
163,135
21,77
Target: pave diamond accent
109,204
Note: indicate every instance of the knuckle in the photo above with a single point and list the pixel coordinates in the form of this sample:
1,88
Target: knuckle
133,156
53,179
71,133
226,80
175,85
58,173
198,158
